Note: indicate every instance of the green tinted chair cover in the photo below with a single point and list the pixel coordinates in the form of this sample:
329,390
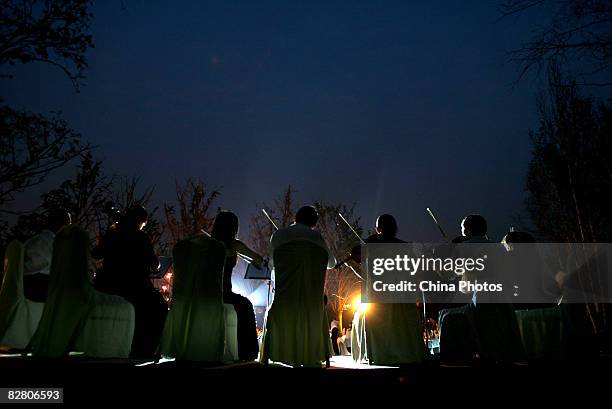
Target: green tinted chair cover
387,334
199,327
76,317
542,333
19,317
562,332
296,324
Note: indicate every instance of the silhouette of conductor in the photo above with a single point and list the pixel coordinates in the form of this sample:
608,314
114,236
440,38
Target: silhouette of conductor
128,261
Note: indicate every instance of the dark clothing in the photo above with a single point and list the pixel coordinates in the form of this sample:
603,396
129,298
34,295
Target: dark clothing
487,326
379,238
35,287
498,333
128,261
231,259
459,341
248,347
335,334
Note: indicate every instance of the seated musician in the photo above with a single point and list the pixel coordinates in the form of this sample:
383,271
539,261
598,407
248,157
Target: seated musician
387,334
128,261
494,323
225,229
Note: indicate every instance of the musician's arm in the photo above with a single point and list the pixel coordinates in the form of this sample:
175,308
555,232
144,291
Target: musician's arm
245,252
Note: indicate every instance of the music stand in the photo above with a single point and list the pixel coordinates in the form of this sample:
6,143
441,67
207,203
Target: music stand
263,272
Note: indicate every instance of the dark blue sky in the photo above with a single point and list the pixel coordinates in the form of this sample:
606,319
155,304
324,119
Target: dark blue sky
393,105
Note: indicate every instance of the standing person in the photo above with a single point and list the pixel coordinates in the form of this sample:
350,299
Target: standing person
128,261
335,334
37,256
225,229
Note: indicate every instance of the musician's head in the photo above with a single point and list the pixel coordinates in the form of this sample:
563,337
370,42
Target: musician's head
57,218
386,225
308,216
225,227
135,218
474,225
516,237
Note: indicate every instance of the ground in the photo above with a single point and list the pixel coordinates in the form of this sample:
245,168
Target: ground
110,380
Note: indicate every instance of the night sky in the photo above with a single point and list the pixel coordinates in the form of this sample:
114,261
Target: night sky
393,105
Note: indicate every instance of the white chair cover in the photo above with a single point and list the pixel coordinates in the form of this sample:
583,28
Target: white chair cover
19,317
296,324
199,327
76,317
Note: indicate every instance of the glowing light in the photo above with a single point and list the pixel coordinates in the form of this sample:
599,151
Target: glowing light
168,276
358,305
164,288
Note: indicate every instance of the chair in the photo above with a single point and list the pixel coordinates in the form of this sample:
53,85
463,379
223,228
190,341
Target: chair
459,342
542,333
76,317
387,334
296,323
19,317
199,327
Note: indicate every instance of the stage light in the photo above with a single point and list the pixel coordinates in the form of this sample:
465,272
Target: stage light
358,305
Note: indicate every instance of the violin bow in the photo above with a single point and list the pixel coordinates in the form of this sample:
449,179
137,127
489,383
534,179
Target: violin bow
351,227
360,240
437,223
269,218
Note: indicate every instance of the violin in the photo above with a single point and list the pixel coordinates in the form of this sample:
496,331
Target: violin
355,252
354,255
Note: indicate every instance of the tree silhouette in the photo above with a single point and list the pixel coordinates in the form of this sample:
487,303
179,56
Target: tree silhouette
94,200
569,179
282,212
31,147
341,284
578,33
192,212
53,32
85,196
